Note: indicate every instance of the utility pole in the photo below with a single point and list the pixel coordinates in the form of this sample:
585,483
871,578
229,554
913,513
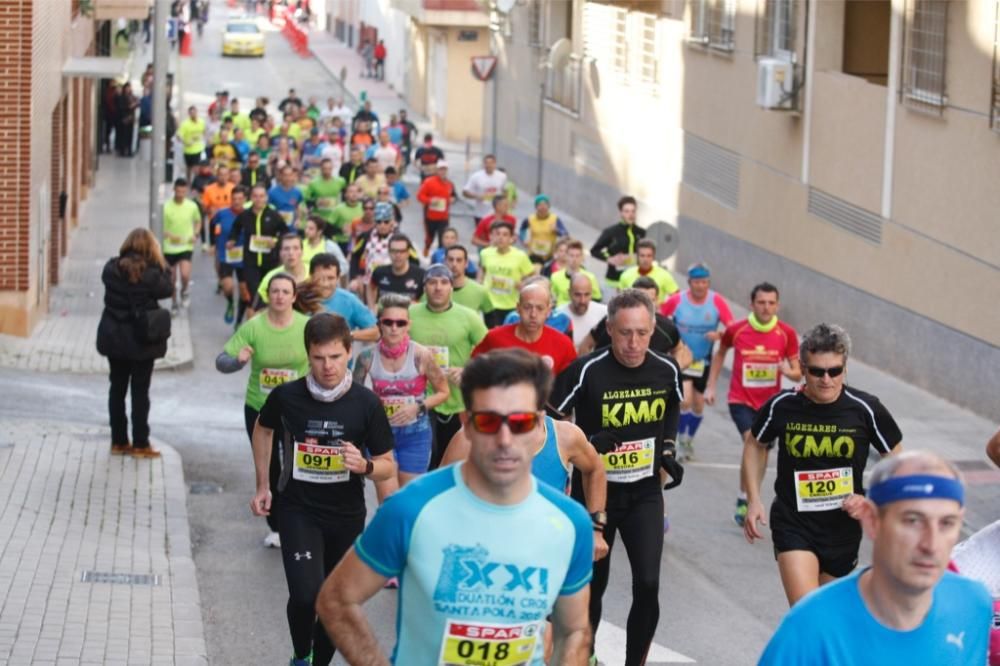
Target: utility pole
161,63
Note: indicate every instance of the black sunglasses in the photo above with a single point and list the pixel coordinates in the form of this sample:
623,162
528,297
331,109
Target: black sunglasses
398,323
816,371
489,423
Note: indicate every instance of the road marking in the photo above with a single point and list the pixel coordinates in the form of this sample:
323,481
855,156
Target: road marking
610,648
710,465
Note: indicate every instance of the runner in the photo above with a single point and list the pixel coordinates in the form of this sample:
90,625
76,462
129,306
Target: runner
272,345
258,230
582,310
229,261
285,197
371,179
350,171
558,259
215,197
407,379
486,512
646,266
436,194
665,339
315,242
375,246
905,608
697,313
439,256
530,332
334,435
501,211
451,331
825,430
573,265
559,321
540,230
344,215
483,186
626,400
322,194
320,293
181,224
616,244
427,156
766,350
466,292
290,254
503,268
401,276
192,135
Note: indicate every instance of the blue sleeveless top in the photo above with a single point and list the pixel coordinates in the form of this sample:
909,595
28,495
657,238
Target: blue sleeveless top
547,466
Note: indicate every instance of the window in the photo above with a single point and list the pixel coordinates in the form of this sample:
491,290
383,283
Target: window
605,36
924,48
995,97
563,85
775,29
646,72
713,23
625,44
535,24
866,39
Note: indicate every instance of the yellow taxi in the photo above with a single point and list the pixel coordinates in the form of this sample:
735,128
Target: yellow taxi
243,37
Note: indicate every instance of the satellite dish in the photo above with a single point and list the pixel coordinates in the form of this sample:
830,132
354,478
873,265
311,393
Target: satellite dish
559,53
666,238
504,6
595,79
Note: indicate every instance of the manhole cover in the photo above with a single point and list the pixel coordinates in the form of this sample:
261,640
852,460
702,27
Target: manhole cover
205,488
119,578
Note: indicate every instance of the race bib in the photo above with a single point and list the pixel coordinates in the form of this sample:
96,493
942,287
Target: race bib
319,464
541,248
261,244
393,403
326,203
287,216
440,356
272,378
823,490
502,286
438,204
489,194
467,644
760,375
234,255
630,461
695,370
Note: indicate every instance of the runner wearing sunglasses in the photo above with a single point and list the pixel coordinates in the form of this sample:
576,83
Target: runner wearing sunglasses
482,550
824,431
765,350
627,401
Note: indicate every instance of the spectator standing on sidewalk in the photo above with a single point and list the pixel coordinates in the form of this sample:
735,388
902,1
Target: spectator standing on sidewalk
368,55
132,336
379,53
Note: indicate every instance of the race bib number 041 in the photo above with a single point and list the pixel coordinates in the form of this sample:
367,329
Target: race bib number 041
496,645
319,464
272,378
630,461
823,490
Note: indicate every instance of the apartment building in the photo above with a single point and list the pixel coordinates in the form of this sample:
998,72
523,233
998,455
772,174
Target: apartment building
846,150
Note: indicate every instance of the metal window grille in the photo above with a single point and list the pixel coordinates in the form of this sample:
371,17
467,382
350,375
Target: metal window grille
925,46
535,24
563,85
604,36
775,28
995,97
647,66
713,23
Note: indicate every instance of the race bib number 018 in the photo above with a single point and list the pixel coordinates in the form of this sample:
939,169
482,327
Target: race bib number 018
823,490
319,464
630,461
760,375
496,645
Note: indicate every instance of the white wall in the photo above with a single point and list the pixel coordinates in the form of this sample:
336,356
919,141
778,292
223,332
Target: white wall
392,27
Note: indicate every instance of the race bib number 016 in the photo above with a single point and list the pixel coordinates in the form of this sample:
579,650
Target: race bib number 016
496,645
630,461
760,375
319,464
823,490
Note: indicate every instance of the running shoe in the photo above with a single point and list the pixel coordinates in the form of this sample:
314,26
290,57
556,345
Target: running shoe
185,299
273,540
175,310
205,247
741,512
686,449
230,313
295,661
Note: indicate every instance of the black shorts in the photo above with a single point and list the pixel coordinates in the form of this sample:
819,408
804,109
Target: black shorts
699,383
225,270
174,259
192,159
837,552
743,416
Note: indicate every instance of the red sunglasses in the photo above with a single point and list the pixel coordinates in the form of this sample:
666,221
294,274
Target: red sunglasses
489,423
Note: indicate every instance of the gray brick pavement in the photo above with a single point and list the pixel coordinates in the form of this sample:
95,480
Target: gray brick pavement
67,506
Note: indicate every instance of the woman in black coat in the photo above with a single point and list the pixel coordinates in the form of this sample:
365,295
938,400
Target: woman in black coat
125,106
133,283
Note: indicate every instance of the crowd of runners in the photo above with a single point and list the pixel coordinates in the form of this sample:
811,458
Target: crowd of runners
518,415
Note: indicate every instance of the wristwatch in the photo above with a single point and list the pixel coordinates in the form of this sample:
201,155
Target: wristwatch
600,519
369,468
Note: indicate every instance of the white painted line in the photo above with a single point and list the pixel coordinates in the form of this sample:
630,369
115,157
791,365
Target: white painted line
610,648
710,465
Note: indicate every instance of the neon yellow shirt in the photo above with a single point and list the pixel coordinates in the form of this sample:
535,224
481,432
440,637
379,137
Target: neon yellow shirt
661,276
502,273
560,286
179,220
192,134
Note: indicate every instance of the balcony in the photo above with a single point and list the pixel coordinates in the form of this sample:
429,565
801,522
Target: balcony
111,10
455,13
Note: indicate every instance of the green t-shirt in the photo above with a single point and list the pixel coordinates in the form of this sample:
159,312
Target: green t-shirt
240,121
473,296
192,134
179,219
560,286
502,275
661,276
342,217
324,196
266,281
279,354
451,336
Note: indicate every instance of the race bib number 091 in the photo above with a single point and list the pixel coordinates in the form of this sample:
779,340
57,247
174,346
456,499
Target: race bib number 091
630,461
823,490
496,645
315,463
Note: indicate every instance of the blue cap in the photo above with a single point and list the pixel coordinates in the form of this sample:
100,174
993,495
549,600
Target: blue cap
698,272
542,197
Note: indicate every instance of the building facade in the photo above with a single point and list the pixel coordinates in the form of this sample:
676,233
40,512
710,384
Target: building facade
848,151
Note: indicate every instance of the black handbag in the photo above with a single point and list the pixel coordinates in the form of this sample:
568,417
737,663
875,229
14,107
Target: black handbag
152,325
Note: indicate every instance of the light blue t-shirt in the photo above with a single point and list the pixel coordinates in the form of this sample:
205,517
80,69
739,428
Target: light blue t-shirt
833,627
476,580
350,307
694,321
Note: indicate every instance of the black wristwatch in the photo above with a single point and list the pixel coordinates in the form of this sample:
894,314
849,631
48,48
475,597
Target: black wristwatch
369,468
600,519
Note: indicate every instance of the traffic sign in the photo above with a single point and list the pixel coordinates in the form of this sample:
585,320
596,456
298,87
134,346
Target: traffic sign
482,67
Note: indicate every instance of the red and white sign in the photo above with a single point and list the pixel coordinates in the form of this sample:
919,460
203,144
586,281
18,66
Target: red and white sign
483,66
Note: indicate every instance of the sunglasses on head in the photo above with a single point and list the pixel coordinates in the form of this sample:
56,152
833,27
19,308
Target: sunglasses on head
816,371
489,423
398,323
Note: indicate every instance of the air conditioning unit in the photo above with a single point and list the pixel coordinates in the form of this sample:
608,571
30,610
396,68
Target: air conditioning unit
775,83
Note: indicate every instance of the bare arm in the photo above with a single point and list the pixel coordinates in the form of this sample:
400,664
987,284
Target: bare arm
792,369
571,629
366,334
261,442
751,471
437,379
339,607
371,295
586,346
458,449
718,360
584,457
682,354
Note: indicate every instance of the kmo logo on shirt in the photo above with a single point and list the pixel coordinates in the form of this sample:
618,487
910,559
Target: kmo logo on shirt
469,568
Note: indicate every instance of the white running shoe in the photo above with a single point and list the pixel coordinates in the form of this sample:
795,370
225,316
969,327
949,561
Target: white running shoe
272,540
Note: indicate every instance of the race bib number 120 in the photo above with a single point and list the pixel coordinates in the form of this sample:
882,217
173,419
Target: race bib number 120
823,490
496,645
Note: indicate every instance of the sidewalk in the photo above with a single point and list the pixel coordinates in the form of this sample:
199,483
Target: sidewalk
95,556
66,339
